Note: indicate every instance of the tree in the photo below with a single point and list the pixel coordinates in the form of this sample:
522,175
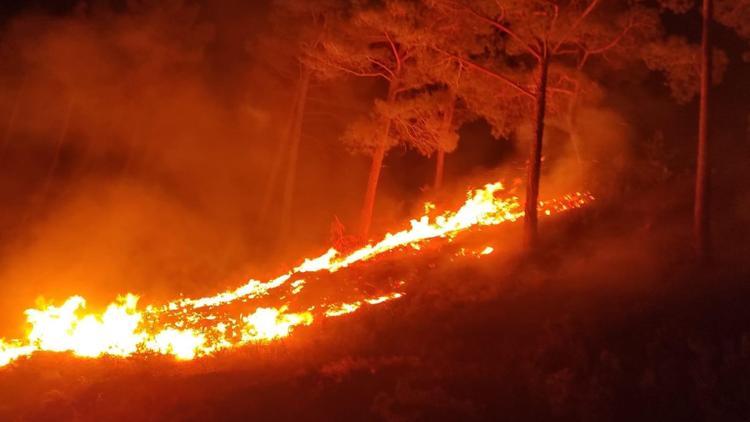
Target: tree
453,112
711,63
530,43
447,142
309,20
429,117
379,40
701,217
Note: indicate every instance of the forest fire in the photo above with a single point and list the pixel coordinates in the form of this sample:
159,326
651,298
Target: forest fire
298,210
189,328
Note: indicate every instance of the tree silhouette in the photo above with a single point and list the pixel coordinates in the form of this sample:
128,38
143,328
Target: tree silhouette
308,20
380,40
449,76
526,44
704,66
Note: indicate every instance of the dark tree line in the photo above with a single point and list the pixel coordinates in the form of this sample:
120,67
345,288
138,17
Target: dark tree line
512,63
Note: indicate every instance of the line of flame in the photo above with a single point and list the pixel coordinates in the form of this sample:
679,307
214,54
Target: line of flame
122,330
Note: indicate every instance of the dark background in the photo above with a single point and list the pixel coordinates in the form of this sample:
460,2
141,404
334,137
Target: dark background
154,188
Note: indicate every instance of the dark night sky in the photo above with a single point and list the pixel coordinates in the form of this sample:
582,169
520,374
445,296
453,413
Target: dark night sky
9,8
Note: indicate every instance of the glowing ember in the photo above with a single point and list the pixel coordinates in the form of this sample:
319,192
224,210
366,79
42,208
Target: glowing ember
347,308
188,328
343,309
269,324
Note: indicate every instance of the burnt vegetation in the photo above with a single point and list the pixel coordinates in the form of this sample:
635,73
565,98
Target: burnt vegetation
172,148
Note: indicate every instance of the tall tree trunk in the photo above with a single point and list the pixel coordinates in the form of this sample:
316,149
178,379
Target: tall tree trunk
278,159
701,217
534,166
375,166
447,127
372,186
291,170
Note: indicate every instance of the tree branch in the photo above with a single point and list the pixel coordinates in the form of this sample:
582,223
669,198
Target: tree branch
560,90
613,43
520,88
394,49
576,24
502,28
381,65
359,73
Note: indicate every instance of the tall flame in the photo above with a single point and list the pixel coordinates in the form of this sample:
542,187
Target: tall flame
188,328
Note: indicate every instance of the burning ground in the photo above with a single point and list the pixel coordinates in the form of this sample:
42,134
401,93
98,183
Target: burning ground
189,328
175,148
584,332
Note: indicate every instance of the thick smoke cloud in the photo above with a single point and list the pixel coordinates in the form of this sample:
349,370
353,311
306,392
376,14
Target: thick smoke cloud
127,163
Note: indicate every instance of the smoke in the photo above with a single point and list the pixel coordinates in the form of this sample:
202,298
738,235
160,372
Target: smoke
127,164
136,142
594,155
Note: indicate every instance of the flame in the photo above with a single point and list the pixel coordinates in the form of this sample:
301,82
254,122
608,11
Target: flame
13,350
61,329
189,328
269,324
348,308
342,309
182,344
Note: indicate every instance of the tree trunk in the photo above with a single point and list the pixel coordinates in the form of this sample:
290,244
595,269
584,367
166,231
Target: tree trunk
534,166
372,186
447,127
278,160
291,170
701,218
375,166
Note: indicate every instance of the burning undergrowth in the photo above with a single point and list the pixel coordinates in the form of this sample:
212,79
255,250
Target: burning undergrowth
591,327
189,328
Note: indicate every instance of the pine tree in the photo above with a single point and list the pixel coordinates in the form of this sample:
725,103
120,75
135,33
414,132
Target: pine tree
380,40
533,46
702,66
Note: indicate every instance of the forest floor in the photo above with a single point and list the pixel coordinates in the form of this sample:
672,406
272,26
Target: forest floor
608,322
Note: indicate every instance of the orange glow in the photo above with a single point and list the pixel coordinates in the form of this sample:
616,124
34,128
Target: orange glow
189,328
348,308
184,345
268,324
62,329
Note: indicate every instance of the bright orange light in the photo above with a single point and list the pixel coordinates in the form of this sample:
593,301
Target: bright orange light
188,328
